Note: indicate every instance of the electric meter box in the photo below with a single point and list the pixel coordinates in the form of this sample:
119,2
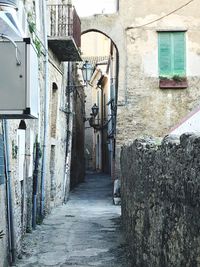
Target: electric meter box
18,80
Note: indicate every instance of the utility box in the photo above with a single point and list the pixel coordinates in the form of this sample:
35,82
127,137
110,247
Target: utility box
18,80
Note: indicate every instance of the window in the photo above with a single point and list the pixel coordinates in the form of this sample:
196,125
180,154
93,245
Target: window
171,54
54,107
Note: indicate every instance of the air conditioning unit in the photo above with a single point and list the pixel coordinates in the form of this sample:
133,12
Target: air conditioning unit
18,80
8,3
9,25
9,22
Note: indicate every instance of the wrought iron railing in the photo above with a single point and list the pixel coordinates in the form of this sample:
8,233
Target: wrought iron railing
64,21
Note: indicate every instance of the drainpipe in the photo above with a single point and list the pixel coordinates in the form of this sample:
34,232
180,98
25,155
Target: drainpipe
46,110
11,237
35,183
117,5
69,133
102,131
115,112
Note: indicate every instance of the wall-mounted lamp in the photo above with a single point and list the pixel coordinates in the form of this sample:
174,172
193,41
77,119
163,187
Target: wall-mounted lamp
96,123
95,110
87,70
91,119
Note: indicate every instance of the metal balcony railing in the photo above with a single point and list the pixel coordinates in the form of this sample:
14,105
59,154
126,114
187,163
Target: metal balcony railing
64,22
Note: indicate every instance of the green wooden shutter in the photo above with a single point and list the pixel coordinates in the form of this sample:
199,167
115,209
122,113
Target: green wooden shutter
165,53
179,53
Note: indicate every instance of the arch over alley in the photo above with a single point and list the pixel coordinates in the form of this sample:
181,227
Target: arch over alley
109,25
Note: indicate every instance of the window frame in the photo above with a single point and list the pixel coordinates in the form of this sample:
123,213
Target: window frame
173,72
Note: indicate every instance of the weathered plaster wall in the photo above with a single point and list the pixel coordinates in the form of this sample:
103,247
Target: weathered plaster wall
57,134
94,44
144,108
151,110
22,191
160,200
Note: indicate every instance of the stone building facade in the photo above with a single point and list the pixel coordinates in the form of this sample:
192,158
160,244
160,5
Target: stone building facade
35,155
143,106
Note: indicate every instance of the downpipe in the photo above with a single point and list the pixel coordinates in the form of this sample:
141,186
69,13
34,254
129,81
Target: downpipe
35,183
69,134
11,236
46,112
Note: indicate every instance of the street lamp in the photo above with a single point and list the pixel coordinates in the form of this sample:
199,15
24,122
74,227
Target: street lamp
91,119
96,123
87,70
95,110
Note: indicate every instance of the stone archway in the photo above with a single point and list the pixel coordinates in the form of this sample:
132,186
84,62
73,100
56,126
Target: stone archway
109,25
117,53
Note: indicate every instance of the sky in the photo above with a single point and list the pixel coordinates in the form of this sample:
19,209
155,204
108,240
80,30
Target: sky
91,7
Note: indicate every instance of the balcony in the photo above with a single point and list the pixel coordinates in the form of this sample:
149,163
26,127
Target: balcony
64,37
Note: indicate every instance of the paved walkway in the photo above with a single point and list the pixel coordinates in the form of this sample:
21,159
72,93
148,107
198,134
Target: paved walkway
85,232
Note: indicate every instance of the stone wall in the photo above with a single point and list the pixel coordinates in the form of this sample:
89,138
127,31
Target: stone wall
160,201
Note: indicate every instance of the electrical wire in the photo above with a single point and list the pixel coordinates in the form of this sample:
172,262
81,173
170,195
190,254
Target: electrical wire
148,23
4,36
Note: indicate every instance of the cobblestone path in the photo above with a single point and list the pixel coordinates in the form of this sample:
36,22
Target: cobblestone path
85,232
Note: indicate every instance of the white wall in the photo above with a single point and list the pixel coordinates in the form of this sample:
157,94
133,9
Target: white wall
190,123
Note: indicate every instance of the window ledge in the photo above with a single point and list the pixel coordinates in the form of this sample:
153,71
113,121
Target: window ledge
172,84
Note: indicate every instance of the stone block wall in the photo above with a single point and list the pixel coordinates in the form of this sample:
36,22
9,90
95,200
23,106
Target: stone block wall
161,200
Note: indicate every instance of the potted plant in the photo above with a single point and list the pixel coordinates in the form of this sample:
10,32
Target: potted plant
175,82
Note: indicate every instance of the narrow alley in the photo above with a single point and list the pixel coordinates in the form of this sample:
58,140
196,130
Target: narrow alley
84,232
